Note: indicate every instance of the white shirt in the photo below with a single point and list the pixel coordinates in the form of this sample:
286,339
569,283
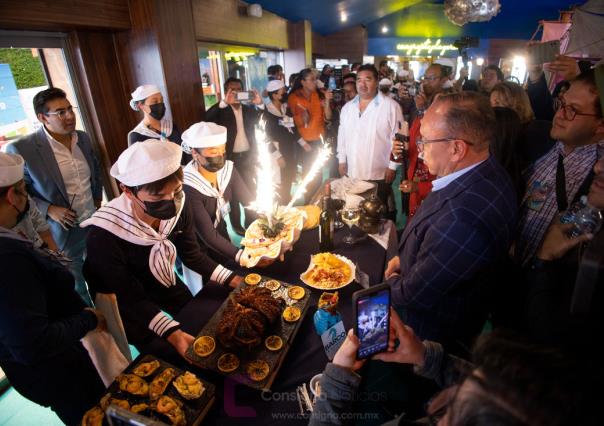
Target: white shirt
76,175
442,182
241,143
365,140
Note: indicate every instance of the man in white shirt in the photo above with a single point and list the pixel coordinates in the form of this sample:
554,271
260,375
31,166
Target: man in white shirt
239,118
62,176
368,124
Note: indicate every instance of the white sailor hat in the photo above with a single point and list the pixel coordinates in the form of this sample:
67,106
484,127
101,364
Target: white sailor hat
385,82
204,135
274,85
142,93
146,162
11,169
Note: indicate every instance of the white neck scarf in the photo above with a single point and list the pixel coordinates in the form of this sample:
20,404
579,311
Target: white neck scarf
196,180
118,217
145,131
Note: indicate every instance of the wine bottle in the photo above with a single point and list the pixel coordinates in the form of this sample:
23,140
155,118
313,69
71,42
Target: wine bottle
326,222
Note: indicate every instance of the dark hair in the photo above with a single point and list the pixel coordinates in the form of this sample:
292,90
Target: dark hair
383,62
350,75
299,77
589,79
4,190
495,68
43,97
505,145
370,68
155,187
470,86
470,117
522,383
564,84
443,69
270,94
232,80
325,67
270,70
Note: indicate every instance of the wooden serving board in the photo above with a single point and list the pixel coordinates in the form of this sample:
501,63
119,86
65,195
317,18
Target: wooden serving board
286,330
195,410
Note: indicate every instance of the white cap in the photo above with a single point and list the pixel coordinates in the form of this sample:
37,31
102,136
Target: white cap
385,82
274,85
11,169
447,62
146,162
142,93
403,73
204,135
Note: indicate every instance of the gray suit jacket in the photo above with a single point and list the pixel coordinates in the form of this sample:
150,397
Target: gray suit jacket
43,177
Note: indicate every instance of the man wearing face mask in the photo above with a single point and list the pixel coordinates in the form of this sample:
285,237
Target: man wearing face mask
133,243
148,99
62,175
211,185
42,318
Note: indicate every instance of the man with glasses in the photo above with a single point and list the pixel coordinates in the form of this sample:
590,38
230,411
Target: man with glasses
442,279
62,175
564,174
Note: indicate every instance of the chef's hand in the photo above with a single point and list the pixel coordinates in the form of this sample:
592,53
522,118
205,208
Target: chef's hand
231,97
343,169
393,268
236,281
410,349
63,216
101,322
257,98
346,356
557,243
181,342
389,175
408,186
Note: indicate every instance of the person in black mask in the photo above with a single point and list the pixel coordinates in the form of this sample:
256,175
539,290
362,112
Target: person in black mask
155,125
133,243
212,186
42,318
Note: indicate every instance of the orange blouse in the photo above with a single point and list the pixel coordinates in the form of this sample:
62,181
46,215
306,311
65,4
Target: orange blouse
308,115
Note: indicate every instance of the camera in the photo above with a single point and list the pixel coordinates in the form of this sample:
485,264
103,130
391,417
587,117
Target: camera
245,96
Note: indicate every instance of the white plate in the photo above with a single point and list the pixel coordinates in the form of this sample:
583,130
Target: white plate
345,260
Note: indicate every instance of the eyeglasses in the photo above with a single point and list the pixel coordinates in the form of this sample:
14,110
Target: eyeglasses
62,113
431,77
421,142
569,111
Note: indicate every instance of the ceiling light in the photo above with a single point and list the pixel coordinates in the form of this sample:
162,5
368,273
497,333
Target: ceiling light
479,61
343,17
384,29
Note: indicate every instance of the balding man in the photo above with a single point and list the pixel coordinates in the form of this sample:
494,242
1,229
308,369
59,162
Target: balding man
440,280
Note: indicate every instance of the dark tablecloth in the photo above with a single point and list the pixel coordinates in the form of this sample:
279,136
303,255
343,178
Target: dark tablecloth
237,403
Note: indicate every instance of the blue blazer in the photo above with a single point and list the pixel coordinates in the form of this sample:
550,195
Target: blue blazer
448,250
43,177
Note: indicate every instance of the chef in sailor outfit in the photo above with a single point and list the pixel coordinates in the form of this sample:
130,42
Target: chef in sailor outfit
132,246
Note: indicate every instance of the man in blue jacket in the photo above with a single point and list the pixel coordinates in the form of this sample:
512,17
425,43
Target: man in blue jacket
62,176
443,275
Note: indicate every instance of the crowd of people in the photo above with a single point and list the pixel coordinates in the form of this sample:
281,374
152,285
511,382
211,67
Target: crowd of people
486,176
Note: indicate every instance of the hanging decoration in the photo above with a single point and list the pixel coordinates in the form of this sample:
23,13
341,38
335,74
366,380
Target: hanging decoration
460,12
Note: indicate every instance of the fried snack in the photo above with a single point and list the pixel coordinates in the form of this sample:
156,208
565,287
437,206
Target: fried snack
93,417
160,383
170,408
291,314
246,318
258,370
228,363
272,285
138,408
188,385
133,384
327,272
296,292
273,343
252,279
145,369
204,346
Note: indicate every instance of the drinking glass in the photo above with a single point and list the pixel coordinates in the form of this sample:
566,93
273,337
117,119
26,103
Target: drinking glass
338,205
350,216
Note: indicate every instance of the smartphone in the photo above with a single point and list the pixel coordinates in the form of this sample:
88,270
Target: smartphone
541,53
245,96
371,309
117,416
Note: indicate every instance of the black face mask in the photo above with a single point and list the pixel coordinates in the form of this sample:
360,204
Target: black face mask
163,209
22,213
157,110
213,164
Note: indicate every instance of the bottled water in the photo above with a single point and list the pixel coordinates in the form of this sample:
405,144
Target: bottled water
569,215
588,220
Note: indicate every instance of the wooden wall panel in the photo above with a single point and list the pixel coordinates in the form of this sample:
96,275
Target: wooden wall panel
221,21
64,15
350,44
